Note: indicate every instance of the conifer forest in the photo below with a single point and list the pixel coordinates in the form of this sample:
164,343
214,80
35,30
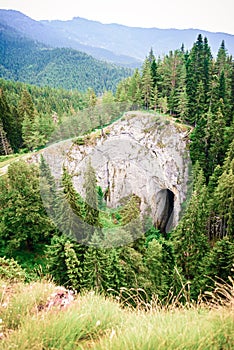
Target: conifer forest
192,88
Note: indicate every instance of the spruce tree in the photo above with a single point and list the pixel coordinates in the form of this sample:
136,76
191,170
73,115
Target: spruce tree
153,68
56,259
199,145
7,122
217,148
147,83
91,199
115,270
24,219
96,265
190,240
198,67
217,265
48,188
73,265
153,261
221,59
134,90
224,200
182,105
70,211
207,73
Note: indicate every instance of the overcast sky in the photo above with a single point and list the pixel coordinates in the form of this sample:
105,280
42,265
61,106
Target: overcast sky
212,15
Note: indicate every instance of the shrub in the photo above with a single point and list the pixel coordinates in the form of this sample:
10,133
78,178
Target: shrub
11,270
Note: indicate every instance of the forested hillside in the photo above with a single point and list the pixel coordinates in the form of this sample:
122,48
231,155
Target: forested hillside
31,62
29,114
123,45
193,88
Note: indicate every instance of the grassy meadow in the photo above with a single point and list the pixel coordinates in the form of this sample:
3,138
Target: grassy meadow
30,321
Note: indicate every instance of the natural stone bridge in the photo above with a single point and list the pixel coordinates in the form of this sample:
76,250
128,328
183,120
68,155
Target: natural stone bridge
141,154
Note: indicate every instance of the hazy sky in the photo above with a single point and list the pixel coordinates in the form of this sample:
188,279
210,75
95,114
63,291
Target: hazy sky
212,15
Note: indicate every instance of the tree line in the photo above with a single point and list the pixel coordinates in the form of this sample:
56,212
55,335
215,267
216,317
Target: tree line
196,89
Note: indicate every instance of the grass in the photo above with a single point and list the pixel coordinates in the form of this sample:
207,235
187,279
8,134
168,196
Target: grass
96,322
5,160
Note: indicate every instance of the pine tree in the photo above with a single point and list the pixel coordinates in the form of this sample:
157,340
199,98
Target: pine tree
182,105
216,150
48,188
224,199
134,90
115,270
198,66
199,144
153,261
217,265
221,59
189,237
232,88
26,106
5,147
135,270
153,68
24,219
91,199
56,259
91,98
96,267
70,211
11,123
74,270
200,108
207,73
154,100
147,83
172,71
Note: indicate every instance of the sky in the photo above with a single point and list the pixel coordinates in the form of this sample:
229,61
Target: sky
211,15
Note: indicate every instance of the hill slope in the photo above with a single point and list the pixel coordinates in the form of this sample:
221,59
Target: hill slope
52,318
135,41
22,59
54,37
112,42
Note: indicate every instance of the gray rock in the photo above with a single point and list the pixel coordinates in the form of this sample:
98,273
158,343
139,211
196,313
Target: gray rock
141,154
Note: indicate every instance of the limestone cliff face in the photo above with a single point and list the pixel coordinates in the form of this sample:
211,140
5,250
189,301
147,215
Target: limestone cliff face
141,154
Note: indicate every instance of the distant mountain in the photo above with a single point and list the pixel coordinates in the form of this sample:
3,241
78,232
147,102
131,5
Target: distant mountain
22,59
111,42
45,33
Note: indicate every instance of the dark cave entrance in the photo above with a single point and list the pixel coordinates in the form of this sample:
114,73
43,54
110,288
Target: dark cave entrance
165,211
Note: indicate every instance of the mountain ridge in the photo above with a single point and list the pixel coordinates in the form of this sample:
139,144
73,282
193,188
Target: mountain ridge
112,42
28,61
38,31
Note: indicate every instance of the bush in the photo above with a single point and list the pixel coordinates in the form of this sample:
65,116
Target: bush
11,270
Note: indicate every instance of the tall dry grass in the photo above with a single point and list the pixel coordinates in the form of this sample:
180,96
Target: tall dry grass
95,322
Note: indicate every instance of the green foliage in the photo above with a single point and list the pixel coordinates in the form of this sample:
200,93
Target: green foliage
11,271
96,272
73,266
30,62
91,198
218,263
190,241
92,320
24,221
152,233
193,87
56,259
30,114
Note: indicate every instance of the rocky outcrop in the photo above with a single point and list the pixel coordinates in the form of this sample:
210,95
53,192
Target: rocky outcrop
142,154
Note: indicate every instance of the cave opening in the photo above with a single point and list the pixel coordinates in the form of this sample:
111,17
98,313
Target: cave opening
165,210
